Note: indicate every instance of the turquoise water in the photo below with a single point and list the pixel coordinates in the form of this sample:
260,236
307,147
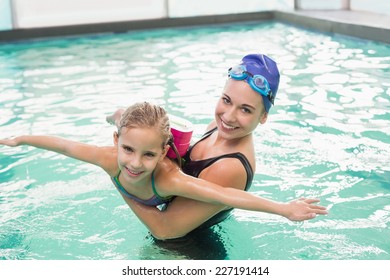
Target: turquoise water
327,137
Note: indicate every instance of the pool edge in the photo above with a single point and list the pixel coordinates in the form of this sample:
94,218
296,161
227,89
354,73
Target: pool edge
338,22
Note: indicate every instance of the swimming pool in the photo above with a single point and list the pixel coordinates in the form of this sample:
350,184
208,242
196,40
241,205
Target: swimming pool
327,136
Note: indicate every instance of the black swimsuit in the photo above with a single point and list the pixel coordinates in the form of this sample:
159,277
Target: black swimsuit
195,167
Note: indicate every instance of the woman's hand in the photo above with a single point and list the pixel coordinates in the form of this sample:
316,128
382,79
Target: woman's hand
11,142
304,209
115,118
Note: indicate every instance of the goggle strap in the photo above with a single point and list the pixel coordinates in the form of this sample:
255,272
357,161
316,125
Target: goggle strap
271,97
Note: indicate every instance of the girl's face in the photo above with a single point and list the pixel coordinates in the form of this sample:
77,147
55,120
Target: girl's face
139,151
239,110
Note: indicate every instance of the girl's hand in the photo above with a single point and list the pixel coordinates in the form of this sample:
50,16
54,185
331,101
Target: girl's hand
304,209
11,142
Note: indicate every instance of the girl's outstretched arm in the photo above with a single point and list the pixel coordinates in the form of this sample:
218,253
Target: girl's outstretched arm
184,215
100,156
177,183
297,210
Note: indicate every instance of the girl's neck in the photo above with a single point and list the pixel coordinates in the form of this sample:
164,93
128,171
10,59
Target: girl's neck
142,189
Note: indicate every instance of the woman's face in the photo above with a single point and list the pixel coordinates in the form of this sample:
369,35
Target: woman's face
239,110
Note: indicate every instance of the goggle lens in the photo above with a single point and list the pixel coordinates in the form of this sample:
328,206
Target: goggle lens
257,82
260,82
238,72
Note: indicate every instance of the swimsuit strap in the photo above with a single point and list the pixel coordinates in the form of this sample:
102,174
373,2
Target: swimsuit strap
195,167
155,190
153,201
121,188
204,136
241,157
208,133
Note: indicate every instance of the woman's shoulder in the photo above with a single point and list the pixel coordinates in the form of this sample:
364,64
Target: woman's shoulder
211,125
226,172
235,160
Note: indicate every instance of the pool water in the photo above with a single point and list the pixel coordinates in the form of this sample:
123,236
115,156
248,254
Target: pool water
327,137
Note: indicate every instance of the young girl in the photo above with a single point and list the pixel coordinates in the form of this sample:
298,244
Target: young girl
141,172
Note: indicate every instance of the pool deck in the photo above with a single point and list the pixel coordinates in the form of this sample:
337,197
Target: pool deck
363,25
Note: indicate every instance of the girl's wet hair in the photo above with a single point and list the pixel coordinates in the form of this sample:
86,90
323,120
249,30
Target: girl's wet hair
147,115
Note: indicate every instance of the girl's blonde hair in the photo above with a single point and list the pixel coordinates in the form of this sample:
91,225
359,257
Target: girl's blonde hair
147,115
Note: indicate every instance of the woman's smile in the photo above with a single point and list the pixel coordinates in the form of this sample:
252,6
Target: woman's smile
227,126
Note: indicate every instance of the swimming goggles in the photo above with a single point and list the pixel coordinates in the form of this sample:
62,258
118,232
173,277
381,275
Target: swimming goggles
257,82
